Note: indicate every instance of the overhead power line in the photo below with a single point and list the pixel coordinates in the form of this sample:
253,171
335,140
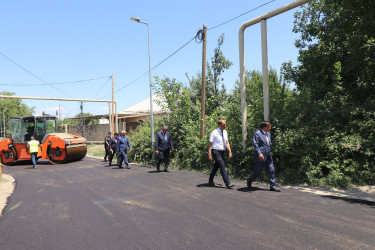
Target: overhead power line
34,74
234,18
198,38
54,83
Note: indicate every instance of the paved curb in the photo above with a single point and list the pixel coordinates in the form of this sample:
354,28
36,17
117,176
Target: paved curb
7,184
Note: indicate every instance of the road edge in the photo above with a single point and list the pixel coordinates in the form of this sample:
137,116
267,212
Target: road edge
7,185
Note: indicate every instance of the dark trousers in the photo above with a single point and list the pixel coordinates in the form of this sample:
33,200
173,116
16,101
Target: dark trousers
107,152
111,155
259,166
33,158
219,163
164,156
122,158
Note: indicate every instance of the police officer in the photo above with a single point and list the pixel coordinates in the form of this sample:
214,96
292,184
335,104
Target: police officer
122,148
33,147
107,141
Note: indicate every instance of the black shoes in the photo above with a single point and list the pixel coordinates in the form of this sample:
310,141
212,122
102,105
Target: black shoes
249,185
274,189
211,184
230,186
166,170
158,169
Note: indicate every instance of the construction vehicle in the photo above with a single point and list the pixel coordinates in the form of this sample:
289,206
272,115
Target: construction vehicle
54,146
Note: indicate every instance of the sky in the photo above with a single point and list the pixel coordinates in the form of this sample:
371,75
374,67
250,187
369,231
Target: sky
72,40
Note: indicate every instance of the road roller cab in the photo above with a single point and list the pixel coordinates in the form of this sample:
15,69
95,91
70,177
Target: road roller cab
56,147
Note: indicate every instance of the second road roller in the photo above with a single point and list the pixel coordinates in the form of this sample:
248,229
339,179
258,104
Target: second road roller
54,146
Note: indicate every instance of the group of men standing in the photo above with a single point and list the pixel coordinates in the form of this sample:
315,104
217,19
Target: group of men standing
217,147
117,145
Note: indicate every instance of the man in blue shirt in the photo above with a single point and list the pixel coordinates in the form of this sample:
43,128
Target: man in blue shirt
122,148
163,145
262,155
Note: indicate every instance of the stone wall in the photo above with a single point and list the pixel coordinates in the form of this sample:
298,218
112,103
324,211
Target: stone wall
91,132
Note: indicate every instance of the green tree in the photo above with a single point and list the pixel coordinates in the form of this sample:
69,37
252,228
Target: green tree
13,108
333,129
216,95
77,120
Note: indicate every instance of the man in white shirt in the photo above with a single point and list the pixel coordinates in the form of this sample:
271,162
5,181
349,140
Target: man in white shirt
218,144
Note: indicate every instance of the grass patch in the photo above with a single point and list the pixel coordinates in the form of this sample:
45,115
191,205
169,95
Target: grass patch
96,150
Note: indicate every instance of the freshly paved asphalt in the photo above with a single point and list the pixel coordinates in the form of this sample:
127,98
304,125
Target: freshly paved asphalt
85,205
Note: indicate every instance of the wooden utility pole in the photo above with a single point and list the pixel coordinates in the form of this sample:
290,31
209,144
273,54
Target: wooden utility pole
203,101
113,106
83,122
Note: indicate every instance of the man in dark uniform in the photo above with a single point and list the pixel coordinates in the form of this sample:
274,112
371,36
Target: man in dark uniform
107,147
163,145
122,148
113,148
262,155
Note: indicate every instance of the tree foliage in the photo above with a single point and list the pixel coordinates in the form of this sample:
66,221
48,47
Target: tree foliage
323,129
77,120
13,108
335,76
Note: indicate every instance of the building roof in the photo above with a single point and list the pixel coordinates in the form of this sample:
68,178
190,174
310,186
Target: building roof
136,110
143,107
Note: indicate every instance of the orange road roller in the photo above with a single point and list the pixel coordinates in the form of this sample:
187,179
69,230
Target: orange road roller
54,146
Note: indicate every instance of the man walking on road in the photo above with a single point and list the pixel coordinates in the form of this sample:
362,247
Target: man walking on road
113,148
262,155
163,145
33,147
218,145
107,148
122,148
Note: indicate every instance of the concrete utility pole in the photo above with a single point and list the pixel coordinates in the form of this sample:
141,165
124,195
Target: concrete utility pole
241,41
203,101
113,104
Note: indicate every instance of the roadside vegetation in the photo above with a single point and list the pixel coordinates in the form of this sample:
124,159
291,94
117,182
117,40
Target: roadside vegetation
322,109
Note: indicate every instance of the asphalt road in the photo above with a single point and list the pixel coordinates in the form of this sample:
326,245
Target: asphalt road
85,205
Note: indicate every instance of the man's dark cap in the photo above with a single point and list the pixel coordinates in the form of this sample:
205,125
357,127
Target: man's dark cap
115,133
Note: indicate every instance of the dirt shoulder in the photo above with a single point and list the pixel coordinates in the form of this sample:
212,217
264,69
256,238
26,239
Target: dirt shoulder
7,184
366,193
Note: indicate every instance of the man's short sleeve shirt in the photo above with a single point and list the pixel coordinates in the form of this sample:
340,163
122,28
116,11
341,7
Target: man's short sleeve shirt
218,138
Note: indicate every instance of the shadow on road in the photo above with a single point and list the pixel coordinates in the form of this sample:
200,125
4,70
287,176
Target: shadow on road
353,201
208,185
153,171
246,190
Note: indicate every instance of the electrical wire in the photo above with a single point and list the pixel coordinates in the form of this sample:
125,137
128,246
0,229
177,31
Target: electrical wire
54,83
234,18
105,83
33,74
198,38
